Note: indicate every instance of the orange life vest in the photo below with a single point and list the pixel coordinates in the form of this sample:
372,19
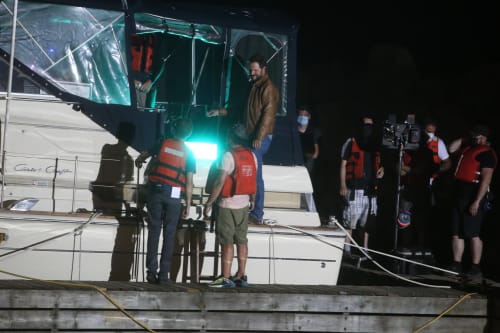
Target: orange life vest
243,180
434,147
142,53
355,162
468,168
169,167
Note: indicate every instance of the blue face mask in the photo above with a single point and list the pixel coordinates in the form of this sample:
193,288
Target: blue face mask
302,120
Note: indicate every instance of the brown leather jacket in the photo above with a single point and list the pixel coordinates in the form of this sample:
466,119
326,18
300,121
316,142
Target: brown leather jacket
261,108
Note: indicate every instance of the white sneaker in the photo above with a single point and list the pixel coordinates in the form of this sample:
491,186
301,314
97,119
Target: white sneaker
269,221
332,222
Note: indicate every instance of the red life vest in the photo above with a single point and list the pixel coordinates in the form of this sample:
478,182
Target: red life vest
434,147
243,180
468,168
142,53
355,162
169,167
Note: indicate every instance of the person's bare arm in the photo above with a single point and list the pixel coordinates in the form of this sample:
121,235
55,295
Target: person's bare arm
455,145
217,112
189,194
343,185
217,188
445,165
142,158
484,184
316,151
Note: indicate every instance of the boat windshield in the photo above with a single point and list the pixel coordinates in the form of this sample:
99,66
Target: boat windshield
83,50
79,50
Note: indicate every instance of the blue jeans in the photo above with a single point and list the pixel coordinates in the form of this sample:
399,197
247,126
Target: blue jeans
258,211
164,213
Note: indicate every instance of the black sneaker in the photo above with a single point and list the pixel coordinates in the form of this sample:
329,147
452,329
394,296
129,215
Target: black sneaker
166,282
152,278
347,255
240,282
474,272
253,220
455,267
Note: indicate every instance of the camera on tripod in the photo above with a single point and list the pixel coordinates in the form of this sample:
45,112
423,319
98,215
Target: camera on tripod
405,135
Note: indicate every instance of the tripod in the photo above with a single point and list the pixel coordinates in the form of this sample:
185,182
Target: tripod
398,194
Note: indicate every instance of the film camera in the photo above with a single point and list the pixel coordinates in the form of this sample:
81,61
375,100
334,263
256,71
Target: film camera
405,135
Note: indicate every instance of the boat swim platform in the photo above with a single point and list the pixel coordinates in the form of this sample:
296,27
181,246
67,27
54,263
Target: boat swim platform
110,306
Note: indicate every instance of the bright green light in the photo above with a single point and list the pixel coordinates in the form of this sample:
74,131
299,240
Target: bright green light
203,150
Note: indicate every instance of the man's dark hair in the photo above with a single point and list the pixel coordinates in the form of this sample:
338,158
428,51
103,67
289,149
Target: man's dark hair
430,121
480,129
258,58
305,107
238,134
183,128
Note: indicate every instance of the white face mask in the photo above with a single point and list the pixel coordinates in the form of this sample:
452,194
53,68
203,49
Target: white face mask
302,120
431,136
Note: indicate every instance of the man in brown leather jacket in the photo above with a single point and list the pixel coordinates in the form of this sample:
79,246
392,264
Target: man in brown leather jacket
260,117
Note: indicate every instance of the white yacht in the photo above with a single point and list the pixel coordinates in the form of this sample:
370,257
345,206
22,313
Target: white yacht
73,122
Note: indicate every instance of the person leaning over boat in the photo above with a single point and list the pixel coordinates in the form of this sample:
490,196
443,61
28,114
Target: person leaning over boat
233,187
170,177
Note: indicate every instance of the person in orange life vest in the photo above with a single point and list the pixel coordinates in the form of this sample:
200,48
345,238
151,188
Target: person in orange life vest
473,176
170,177
360,170
260,118
142,52
234,190
420,170
440,155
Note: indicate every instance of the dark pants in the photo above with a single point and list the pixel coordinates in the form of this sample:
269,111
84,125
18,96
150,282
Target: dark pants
164,213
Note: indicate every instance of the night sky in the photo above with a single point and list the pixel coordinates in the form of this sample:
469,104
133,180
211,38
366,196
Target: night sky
439,59
432,60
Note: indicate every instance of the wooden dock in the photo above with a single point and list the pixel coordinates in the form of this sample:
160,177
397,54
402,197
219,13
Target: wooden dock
35,306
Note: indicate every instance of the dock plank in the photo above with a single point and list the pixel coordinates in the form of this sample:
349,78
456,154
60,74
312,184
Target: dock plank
32,305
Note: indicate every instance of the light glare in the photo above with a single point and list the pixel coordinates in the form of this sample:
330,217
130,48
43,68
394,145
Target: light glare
203,150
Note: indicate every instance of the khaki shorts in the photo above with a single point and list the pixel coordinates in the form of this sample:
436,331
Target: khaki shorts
232,225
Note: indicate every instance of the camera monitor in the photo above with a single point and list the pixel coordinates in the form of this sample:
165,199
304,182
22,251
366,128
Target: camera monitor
405,135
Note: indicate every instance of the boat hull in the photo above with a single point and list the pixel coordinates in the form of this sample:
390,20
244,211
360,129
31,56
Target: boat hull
96,248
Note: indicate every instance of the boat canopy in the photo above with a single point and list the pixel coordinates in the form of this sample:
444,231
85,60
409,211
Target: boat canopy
196,57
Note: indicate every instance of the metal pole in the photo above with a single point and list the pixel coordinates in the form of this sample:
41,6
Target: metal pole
75,178
398,194
193,67
9,92
54,186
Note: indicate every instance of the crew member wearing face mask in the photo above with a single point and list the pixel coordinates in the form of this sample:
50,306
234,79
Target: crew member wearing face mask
438,148
310,137
473,176
360,169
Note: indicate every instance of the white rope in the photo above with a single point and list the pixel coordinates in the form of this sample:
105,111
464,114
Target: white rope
365,251
50,239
